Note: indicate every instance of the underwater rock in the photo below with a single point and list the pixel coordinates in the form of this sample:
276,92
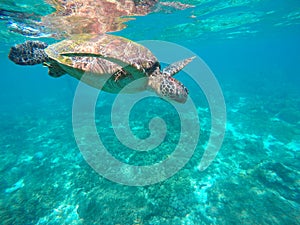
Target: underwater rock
15,187
279,178
39,155
289,115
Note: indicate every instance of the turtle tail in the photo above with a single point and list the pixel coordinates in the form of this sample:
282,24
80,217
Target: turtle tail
29,53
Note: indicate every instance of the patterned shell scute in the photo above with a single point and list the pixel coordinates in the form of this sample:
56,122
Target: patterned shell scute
122,49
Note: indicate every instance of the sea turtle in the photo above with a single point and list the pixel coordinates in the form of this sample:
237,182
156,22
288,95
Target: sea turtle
106,62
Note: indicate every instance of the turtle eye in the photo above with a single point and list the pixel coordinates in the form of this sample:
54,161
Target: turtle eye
186,90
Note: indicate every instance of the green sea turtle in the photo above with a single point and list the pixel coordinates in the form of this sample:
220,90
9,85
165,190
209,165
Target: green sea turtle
105,62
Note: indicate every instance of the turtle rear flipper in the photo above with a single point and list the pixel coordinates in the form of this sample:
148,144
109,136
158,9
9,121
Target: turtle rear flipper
29,53
54,70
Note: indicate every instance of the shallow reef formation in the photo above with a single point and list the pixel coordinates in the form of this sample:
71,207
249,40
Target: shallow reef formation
254,179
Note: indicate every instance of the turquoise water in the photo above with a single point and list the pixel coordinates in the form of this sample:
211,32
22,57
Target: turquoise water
252,48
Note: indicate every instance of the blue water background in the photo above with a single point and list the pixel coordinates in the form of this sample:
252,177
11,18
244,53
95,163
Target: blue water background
255,178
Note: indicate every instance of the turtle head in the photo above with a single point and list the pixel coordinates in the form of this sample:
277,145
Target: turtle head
168,88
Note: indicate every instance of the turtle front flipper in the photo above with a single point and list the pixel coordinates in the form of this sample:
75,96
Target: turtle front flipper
175,67
29,53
